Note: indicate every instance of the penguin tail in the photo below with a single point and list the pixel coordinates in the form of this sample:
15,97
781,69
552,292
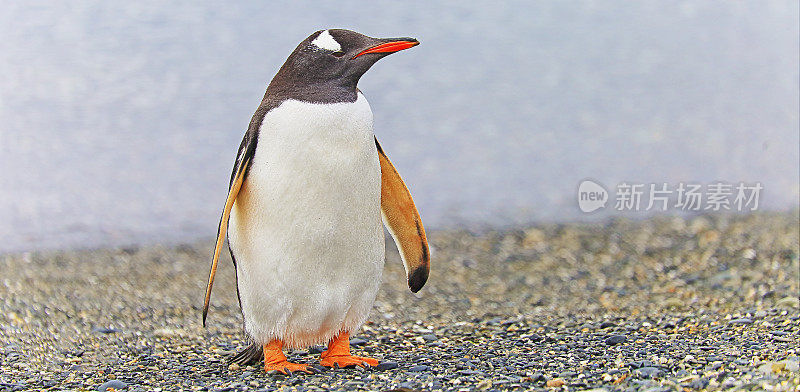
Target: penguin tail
251,355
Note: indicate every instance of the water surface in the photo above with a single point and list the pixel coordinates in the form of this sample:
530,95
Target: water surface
119,121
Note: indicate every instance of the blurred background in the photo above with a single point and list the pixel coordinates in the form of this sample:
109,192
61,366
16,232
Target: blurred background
120,121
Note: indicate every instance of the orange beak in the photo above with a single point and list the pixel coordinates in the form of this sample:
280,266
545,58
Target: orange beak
389,47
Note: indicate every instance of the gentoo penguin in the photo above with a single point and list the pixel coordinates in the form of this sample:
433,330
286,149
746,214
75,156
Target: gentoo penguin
307,195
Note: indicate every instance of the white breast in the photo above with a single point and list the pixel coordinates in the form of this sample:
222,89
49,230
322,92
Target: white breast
306,227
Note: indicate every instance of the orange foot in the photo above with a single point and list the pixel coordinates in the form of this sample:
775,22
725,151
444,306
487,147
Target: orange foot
338,354
275,360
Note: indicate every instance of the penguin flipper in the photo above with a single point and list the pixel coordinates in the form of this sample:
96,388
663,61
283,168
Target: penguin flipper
246,151
244,157
402,219
222,231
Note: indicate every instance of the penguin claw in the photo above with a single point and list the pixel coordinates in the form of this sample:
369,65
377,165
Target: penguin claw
343,361
289,368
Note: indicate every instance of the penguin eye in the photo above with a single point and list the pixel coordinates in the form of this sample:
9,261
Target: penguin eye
338,53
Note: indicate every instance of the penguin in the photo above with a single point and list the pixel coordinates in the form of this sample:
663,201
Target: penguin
310,189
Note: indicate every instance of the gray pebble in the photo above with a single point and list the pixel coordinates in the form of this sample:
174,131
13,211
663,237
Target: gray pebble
640,364
616,339
357,342
406,385
418,368
699,383
318,349
649,372
116,384
386,365
104,330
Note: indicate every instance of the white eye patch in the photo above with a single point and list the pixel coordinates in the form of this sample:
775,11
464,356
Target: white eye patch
326,41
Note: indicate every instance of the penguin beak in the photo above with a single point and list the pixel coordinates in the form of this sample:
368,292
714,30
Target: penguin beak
394,45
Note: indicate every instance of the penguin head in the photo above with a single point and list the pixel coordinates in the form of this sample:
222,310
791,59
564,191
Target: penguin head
338,57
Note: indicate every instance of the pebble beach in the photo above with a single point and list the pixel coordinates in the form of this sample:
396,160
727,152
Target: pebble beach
660,304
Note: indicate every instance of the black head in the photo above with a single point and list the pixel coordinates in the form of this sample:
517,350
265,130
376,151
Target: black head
331,62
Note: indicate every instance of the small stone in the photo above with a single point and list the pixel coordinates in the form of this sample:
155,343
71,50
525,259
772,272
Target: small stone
430,338
494,321
699,383
104,330
640,364
616,339
318,349
649,372
766,368
607,324
233,367
164,333
386,365
320,369
418,368
484,384
556,382
741,321
357,342
114,385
